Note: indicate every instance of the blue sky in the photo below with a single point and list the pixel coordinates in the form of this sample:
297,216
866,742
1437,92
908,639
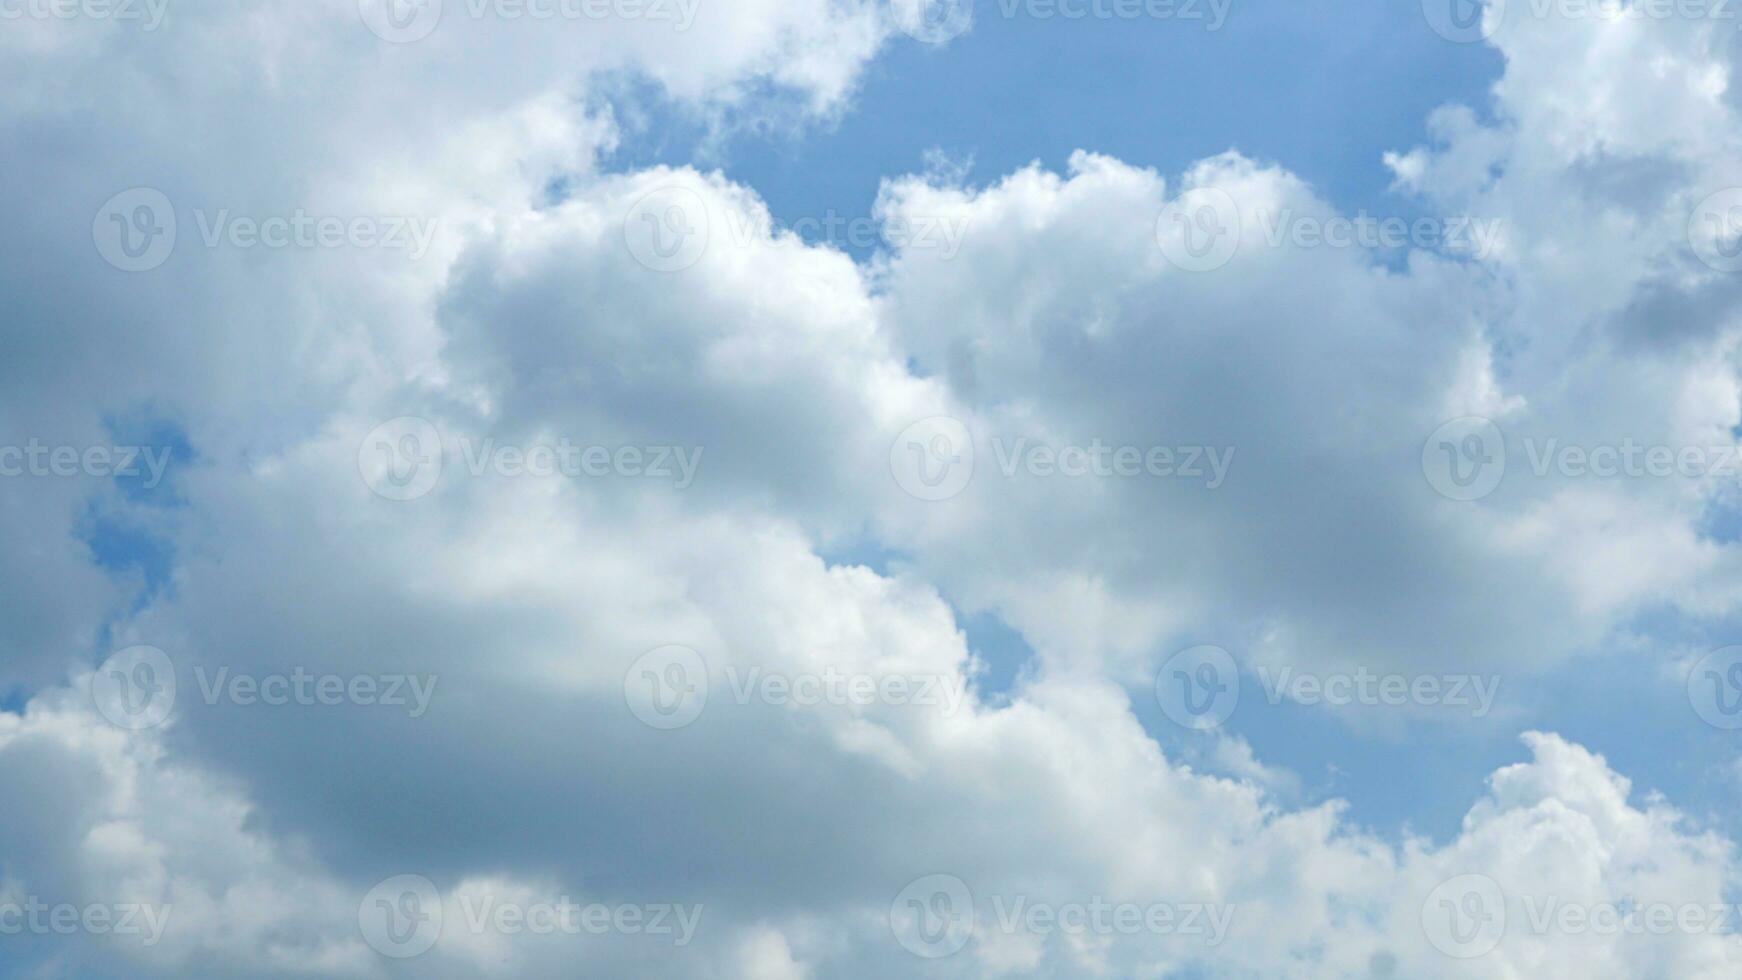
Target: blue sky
1326,87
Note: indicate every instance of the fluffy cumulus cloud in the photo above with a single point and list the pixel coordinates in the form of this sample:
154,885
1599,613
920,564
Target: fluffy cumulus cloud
500,577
